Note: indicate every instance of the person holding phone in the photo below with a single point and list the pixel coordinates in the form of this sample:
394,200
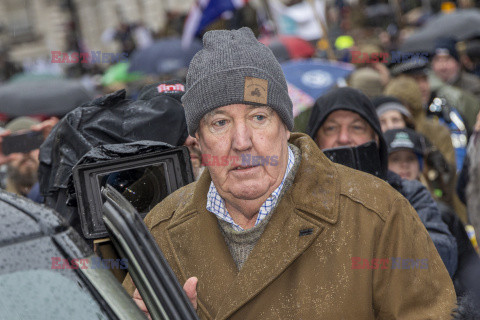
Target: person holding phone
19,149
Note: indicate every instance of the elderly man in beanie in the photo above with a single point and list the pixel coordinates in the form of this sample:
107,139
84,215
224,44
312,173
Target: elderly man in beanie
273,229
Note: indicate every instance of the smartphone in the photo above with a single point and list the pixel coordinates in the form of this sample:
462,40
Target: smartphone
22,142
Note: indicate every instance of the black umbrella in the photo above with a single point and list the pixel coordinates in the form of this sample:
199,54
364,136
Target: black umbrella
46,97
460,24
165,56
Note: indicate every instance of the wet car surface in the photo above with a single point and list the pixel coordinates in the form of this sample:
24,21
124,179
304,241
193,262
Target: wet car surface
35,280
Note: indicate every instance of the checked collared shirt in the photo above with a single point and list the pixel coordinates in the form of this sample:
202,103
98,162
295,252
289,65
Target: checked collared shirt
216,205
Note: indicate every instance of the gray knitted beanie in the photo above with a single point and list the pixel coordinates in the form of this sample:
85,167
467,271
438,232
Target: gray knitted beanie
233,67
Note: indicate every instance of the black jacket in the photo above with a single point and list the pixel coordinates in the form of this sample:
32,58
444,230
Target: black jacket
467,275
421,200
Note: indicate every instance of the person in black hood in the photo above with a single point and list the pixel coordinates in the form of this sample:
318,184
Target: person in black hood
356,104
345,119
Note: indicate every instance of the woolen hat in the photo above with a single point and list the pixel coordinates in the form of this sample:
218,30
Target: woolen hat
446,46
406,90
388,103
234,68
405,139
366,80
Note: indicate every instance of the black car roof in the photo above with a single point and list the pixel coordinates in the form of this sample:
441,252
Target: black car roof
22,219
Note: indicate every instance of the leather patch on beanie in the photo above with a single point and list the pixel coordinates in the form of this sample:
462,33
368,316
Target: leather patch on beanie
256,90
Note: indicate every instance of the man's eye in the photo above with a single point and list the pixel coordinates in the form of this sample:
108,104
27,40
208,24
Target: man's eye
358,128
260,117
412,158
392,160
220,123
329,128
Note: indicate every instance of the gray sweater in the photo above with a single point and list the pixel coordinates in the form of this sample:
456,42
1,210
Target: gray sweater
241,243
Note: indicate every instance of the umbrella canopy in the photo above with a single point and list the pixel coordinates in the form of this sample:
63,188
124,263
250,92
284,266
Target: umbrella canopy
308,79
49,97
165,56
461,24
119,73
288,47
20,77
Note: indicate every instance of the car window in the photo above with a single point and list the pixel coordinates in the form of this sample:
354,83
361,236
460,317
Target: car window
112,292
45,294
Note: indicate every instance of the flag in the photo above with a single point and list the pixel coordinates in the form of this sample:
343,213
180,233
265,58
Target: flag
205,12
299,19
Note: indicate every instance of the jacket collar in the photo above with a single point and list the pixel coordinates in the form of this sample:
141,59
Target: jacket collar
315,189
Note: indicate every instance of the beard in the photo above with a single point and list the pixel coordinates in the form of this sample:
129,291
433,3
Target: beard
24,178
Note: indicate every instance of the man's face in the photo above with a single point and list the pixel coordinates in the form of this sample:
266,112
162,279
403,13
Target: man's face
344,128
405,164
22,170
391,119
230,132
424,86
445,67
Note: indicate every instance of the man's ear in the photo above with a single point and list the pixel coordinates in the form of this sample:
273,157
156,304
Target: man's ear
288,131
197,137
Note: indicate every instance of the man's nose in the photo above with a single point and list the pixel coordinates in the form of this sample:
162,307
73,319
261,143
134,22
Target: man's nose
344,137
389,124
242,137
404,164
190,141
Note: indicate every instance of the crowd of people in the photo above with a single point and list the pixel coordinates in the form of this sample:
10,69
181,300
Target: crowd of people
368,211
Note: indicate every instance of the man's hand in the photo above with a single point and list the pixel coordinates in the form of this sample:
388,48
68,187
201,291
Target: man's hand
383,71
139,301
45,126
190,288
